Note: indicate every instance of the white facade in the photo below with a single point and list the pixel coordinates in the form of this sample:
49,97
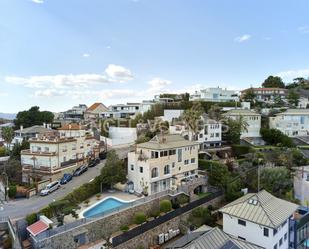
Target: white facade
211,134
215,94
119,136
254,233
301,184
303,103
49,156
252,119
162,163
169,115
293,122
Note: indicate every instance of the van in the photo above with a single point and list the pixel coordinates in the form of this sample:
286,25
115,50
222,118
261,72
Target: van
50,188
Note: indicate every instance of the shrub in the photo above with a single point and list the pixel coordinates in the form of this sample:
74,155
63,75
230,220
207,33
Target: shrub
183,199
98,196
47,211
207,164
31,218
139,218
165,206
12,191
240,150
175,204
155,213
86,202
124,228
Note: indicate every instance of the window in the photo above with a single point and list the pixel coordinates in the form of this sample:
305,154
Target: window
280,242
167,170
163,153
201,135
186,161
179,155
46,149
154,173
266,232
275,246
285,236
241,222
173,165
154,154
172,152
192,160
141,169
275,231
132,167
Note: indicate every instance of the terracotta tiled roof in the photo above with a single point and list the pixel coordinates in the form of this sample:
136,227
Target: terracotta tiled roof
37,227
93,107
265,89
72,126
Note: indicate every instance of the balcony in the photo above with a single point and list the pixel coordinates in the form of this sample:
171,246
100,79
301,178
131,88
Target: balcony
38,153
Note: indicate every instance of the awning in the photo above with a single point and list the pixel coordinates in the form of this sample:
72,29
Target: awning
37,227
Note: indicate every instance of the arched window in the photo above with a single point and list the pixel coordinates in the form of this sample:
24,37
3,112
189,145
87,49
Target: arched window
154,173
167,170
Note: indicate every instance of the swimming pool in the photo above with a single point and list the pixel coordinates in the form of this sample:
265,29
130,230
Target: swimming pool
105,206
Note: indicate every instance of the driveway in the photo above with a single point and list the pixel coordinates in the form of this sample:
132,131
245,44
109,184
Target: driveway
17,209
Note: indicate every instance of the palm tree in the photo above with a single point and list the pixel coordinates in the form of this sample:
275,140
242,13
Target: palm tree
215,112
192,118
8,135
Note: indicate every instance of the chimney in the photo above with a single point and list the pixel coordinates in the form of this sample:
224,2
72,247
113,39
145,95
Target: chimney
21,127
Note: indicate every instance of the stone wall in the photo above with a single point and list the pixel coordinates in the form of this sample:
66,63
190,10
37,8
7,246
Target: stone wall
98,229
149,238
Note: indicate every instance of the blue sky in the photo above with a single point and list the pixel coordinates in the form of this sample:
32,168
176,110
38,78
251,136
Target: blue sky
58,53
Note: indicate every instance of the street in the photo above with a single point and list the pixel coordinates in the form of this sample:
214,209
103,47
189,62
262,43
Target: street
17,209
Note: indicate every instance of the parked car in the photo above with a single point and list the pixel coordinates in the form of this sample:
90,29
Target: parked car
92,163
102,155
97,160
66,178
50,188
80,170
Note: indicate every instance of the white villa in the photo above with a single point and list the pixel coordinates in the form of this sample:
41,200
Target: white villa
51,156
214,94
252,118
292,122
259,218
162,163
301,184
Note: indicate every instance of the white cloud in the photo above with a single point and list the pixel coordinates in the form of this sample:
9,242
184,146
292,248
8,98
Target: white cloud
49,93
86,55
242,38
158,84
119,73
3,94
113,74
108,47
292,74
37,1
304,29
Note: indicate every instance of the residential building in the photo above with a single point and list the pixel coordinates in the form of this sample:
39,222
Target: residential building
267,95
301,184
119,136
163,100
303,103
31,132
50,156
126,111
213,238
93,112
215,94
292,122
299,229
259,218
250,118
76,114
162,163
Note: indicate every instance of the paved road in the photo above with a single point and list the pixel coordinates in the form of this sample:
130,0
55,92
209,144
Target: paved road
20,208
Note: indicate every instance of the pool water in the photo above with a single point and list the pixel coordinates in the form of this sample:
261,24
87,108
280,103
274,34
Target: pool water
104,207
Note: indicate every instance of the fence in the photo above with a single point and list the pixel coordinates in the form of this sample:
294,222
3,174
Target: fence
162,219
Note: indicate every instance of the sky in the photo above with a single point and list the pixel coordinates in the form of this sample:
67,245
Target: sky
59,53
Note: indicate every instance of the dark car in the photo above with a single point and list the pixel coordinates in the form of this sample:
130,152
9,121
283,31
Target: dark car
80,170
92,163
102,155
97,160
66,178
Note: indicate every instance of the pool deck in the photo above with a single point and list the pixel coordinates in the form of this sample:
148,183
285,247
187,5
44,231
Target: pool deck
93,200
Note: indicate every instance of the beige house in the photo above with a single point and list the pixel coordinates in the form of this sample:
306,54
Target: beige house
162,163
49,157
93,112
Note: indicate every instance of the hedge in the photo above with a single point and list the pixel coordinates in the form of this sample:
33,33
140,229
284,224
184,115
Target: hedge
165,206
207,164
240,150
31,218
140,218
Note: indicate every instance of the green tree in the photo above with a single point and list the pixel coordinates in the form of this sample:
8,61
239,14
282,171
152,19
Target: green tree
17,148
276,137
293,98
113,171
33,117
235,128
277,180
249,95
192,118
8,135
215,112
273,81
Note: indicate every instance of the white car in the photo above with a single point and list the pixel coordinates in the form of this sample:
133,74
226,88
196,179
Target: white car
50,188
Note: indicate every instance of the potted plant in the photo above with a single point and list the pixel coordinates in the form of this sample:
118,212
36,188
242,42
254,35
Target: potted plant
145,187
86,202
98,196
